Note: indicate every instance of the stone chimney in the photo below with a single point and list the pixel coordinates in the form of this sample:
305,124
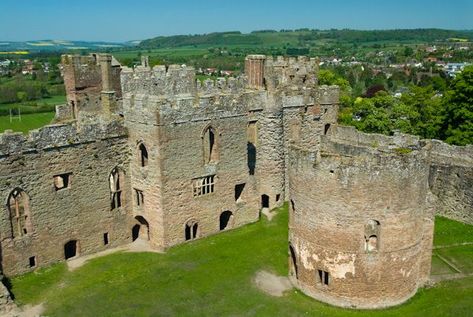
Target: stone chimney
254,70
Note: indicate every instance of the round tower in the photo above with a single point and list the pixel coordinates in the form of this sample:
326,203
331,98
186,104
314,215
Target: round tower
360,234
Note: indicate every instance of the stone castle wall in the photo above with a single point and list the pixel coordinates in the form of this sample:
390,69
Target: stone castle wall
343,197
80,211
451,181
192,153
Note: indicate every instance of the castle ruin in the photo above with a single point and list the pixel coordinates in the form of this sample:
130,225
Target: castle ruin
154,154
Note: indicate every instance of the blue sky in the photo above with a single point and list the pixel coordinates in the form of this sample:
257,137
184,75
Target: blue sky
122,20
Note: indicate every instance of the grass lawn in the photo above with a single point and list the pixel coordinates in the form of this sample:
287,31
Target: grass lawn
28,122
209,277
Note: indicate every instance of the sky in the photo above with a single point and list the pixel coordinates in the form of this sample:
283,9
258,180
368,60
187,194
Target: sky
124,20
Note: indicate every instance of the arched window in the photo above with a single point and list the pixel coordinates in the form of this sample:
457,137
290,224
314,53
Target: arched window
143,155
116,183
372,232
19,212
210,145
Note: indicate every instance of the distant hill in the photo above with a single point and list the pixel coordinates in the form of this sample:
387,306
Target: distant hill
304,37
59,46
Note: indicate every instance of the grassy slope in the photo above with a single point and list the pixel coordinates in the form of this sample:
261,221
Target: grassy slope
210,277
28,122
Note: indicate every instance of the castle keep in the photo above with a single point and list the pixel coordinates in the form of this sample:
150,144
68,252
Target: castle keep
154,154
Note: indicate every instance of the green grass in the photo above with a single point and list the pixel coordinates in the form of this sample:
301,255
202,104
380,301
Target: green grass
209,277
461,257
449,232
28,122
40,105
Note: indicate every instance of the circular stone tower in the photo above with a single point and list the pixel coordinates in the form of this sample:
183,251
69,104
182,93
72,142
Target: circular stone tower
360,234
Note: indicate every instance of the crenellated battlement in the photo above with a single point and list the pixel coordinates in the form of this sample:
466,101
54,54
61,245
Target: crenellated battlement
57,136
175,80
350,135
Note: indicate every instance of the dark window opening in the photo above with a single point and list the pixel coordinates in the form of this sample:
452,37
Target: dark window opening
105,238
278,196
139,197
294,270
293,206
32,261
239,191
326,128
323,277
210,146
141,229
70,249
264,201
191,230
252,138
143,155
251,158
62,181
225,219
135,232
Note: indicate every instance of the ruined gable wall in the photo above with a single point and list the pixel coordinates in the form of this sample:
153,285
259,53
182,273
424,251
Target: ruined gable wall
92,83
335,192
81,212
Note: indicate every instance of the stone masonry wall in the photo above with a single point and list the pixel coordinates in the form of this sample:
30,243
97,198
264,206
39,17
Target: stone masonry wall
335,193
80,212
451,181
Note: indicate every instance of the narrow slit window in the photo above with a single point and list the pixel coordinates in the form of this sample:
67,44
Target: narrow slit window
143,153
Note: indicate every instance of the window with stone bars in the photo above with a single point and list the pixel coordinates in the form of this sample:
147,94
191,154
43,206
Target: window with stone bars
203,186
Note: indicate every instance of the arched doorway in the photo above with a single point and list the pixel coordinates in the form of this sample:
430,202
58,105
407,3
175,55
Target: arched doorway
226,219
140,230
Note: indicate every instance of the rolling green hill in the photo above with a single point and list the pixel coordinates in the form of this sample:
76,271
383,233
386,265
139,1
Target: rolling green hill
306,37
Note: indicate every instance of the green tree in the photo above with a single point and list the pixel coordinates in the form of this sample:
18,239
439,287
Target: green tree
458,124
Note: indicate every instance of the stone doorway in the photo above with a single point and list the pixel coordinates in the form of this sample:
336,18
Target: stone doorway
71,249
226,220
140,230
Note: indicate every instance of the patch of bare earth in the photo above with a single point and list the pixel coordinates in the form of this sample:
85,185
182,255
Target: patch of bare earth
272,284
